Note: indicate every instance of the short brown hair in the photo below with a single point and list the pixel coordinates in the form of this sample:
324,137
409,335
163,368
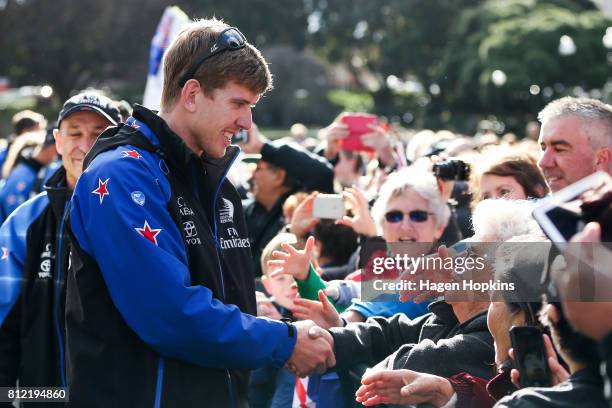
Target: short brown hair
245,66
517,164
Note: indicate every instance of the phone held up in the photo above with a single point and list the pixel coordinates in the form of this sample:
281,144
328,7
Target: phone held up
241,137
358,124
530,356
567,212
328,206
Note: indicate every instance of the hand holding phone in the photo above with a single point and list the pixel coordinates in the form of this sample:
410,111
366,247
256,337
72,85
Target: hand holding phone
328,206
358,125
530,356
562,215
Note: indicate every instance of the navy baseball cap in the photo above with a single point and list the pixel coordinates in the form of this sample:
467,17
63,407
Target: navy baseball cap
93,102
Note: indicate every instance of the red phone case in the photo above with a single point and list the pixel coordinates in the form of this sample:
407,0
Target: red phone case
358,125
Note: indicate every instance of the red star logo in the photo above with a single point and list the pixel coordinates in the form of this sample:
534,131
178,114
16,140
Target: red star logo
102,190
148,232
131,153
5,253
134,125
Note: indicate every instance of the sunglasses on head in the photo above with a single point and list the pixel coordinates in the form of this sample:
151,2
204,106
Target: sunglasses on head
396,216
229,39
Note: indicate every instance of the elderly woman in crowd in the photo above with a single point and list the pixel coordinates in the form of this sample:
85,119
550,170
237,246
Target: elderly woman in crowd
518,261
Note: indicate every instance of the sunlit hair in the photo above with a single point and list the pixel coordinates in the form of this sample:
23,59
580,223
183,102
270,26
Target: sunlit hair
421,182
29,139
588,109
500,220
514,163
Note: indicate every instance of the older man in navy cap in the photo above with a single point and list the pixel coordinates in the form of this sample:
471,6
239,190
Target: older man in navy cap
34,255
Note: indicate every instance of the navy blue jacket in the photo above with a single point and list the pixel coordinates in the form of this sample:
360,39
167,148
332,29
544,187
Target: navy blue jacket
160,297
32,289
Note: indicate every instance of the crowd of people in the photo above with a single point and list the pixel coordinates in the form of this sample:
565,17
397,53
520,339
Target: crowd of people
148,261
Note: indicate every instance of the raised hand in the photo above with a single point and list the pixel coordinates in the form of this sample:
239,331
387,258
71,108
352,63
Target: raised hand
379,140
302,220
255,141
361,222
323,313
333,134
313,352
294,262
403,387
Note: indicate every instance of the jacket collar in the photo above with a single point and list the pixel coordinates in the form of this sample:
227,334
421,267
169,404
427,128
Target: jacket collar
175,151
57,191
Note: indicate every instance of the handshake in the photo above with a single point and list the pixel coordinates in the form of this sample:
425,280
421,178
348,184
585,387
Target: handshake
313,352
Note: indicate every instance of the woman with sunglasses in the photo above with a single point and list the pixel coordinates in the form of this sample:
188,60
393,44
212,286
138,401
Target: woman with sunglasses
409,209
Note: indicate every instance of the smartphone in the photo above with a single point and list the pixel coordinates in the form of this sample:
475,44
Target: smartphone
241,137
358,125
530,356
560,216
328,206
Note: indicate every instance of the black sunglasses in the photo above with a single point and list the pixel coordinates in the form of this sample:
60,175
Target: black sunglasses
396,216
229,39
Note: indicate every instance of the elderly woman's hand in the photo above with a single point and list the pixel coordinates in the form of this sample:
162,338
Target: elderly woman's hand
361,222
403,387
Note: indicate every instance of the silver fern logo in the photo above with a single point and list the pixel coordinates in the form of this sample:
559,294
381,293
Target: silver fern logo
226,214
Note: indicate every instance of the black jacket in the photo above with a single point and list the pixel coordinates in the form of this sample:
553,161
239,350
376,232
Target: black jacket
160,294
434,343
35,249
582,389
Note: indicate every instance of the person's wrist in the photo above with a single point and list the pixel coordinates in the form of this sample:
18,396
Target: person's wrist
444,392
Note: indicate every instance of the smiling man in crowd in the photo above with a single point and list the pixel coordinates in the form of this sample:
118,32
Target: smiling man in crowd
159,312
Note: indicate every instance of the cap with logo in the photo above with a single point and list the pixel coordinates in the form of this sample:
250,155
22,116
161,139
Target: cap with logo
93,102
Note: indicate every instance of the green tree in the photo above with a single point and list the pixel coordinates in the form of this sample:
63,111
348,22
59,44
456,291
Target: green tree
521,38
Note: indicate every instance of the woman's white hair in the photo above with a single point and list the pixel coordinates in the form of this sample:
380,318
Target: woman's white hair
421,182
500,220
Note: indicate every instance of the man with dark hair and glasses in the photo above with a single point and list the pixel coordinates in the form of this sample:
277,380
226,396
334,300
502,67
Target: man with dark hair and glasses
160,302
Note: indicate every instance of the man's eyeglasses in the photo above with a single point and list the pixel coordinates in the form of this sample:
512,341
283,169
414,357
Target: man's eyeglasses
396,216
229,39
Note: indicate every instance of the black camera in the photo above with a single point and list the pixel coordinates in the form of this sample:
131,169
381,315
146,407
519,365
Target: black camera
452,170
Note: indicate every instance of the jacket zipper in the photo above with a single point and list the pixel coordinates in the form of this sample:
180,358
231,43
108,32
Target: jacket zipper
230,383
58,297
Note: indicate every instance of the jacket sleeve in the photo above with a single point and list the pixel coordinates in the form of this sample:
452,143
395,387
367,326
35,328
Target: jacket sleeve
375,339
13,235
469,352
311,170
142,258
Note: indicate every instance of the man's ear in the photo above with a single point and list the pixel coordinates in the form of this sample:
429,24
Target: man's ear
603,159
279,176
58,140
188,95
